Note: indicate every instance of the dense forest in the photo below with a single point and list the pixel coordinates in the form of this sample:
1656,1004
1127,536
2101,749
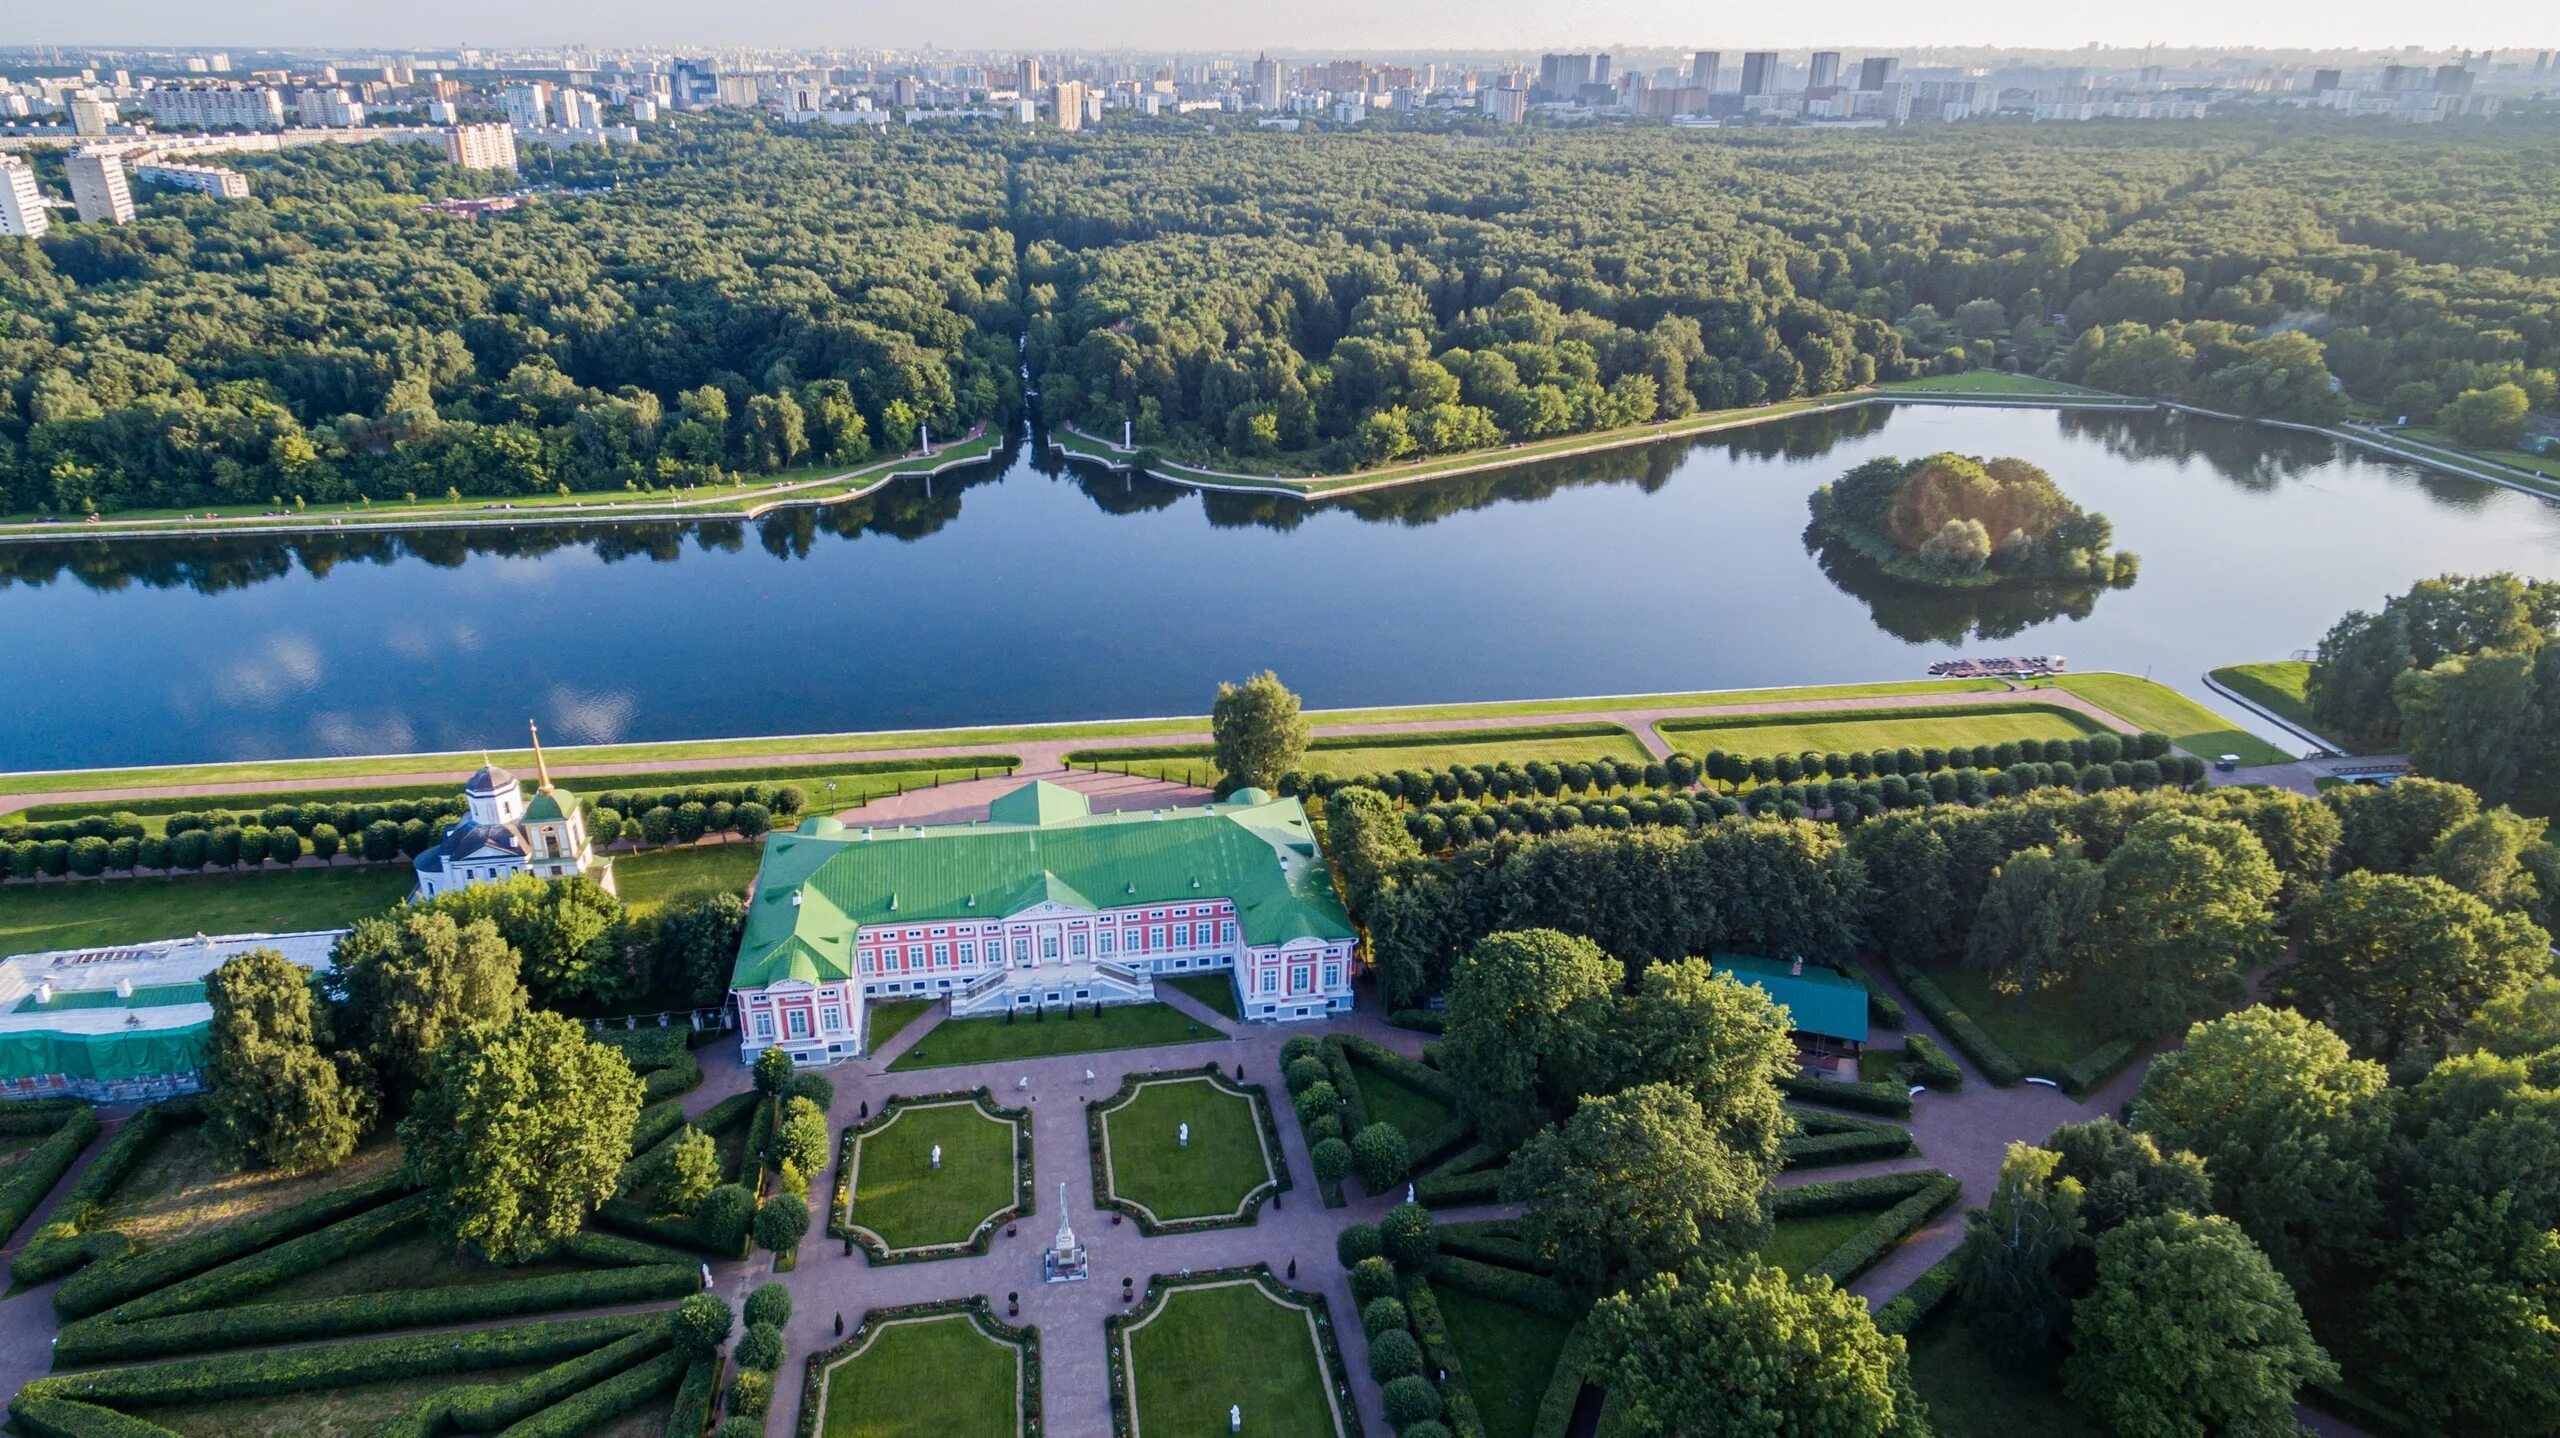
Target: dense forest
726,298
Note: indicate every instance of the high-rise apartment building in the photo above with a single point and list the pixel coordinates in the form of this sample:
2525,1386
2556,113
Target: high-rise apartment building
1702,69
331,107
1266,82
99,189
1066,104
91,115
481,147
1507,104
22,210
1825,72
1026,75
528,105
1877,71
1759,71
211,180
2324,81
216,107
578,110
693,84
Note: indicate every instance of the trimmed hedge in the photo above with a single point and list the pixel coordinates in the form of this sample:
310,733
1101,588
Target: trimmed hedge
1907,1310
38,1115
267,1267
102,1340
656,1124
1996,1063
103,1286
1930,1064
1346,1084
683,1076
1850,1195
1472,1175
1868,1246
1440,1357
484,1408
1564,1388
34,1176
691,1415
1504,1285
1855,1146
2097,1066
1883,1009
1890,1100
591,1408
65,1243
1427,1021
223,1377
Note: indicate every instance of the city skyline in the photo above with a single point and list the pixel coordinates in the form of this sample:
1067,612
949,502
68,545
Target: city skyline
1165,25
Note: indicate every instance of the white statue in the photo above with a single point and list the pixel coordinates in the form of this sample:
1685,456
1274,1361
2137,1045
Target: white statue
937,1156
1408,1188
1184,1136
1235,1418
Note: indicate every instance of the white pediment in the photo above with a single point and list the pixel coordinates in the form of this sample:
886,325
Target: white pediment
1051,909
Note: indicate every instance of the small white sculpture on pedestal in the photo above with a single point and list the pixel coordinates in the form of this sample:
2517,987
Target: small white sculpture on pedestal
1235,1418
937,1157
1183,1137
1065,1260
1408,1189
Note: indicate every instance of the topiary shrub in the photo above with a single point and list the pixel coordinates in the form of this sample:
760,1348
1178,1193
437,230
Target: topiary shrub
1303,1075
1406,1237
1359,1241
1408,1401
702,1323
751,1392
1300,1047
1332,1160
1382,1315
1329,1127
1394,1354
723,1216
1372,1279
769,1303
739,1428
1316,1101
1379,1153
761,1349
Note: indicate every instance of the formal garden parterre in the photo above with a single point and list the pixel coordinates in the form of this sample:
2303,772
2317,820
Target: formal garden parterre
1182,1151
901,1205
1202,1343
982,1375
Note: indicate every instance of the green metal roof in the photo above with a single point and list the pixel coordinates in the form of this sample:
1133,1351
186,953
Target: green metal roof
820,883
550,804
1820,1000
107,1057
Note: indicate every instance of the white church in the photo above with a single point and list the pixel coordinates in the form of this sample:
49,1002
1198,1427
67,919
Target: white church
501,836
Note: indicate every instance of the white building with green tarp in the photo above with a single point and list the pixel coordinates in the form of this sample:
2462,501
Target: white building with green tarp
1043,904
121,1024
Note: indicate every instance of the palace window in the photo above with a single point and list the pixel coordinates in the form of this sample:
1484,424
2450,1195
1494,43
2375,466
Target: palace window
1270,981
1049,946
797,1021
1300,976
764,1026
1227,932
1155,937
1022,951
1075,945
1109,941
1333,976
942,956
834,1020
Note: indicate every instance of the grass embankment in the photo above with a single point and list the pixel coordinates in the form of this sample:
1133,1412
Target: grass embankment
890,1019
2189,725
2282,688
806,483
1797,1244
973,1381
989,1040
662,878
900,1195
1890,729
86,913
2001,383
2427,437
1391,1100
1215,991
1211,1347
184,1184
1206,1178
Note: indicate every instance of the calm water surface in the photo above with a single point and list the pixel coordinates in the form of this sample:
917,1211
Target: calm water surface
1027,591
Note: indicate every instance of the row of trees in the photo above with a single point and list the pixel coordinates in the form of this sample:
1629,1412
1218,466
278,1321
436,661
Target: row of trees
2461,672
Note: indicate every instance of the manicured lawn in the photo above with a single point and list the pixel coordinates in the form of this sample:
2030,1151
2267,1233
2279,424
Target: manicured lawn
1150,1166
184,1185
2281,687
1375,754
1218,991
899,1194
890,1019
1824,734
37,917
1797,1244
1508,1354
976,1041
658,878
1210,1347
2189,725
974,1384
2046,1034
1391,1100
2542,464
351,1412
1973,1393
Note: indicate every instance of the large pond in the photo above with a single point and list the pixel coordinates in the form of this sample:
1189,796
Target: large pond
1030,591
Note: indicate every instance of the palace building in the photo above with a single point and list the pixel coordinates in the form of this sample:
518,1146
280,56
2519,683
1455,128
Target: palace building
1043,903
500,835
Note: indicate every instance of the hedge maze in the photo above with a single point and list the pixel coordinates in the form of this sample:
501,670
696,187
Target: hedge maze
313,1298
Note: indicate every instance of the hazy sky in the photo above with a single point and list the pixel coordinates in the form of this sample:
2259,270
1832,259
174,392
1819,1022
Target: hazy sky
1296,24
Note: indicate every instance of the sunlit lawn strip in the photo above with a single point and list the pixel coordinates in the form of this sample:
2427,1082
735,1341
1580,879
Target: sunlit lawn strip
1210,1347
1824,734
2189,725
900,1195
974,1041
1213,1174
38,917
926,1378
